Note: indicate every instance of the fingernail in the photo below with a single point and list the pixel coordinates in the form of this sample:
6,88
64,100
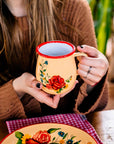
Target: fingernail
38,85
81,46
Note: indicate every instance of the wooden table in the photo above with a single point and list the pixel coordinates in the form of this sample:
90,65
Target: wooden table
103,122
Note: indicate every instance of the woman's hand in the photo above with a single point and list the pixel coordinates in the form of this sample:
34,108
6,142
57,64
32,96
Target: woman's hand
62,95
92,68
27,83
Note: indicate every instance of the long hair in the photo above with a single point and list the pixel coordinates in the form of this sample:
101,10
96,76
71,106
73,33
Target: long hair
42,27
41,15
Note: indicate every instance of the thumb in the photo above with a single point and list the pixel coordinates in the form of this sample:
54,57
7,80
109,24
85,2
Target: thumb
90,51
36,84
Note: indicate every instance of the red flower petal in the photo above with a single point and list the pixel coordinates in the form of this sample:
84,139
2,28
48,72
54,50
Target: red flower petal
31,141
56,82
42,137
48,86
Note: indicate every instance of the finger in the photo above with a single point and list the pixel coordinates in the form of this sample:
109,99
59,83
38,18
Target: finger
88,76
90,51
88,81
95,71
36,84
56,100
83,67
28,78
62,95
44,97
52,102
31,81
96,62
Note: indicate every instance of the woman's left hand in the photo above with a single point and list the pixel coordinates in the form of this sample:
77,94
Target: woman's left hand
92,68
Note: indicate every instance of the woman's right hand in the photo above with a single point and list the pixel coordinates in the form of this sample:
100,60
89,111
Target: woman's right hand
27,83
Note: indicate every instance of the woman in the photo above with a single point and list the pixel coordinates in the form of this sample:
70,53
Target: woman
26,23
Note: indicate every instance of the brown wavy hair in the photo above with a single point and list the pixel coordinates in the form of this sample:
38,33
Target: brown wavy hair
41,15
41,22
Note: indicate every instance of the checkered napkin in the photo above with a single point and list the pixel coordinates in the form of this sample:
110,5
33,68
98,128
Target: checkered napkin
76,120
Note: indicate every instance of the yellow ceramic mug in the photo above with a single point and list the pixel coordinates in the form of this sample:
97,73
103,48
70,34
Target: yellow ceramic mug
56,67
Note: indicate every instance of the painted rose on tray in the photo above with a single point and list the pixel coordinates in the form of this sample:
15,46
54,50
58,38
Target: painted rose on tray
42,137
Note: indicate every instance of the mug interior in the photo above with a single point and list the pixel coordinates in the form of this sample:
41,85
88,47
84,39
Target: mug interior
56,49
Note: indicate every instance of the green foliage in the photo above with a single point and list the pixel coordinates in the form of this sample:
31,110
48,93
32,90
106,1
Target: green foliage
19,135
102,15
19,142
52,130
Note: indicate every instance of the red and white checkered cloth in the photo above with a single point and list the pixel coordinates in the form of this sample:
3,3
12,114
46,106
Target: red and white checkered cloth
76,120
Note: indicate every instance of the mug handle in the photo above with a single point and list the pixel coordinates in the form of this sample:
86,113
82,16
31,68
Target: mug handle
80,54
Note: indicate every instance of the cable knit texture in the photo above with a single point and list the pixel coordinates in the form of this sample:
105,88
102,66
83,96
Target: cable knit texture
77,13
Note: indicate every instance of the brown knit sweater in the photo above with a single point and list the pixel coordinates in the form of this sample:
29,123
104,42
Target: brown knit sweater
78,14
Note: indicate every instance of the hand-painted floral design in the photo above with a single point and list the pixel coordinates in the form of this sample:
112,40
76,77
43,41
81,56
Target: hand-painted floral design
30,141
42,137
55,82
60,133
70,141
47,137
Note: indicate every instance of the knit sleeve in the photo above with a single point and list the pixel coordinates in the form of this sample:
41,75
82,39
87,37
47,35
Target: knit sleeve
98,97
10,105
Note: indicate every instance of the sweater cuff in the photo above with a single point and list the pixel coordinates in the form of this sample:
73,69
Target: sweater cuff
10,105
88,103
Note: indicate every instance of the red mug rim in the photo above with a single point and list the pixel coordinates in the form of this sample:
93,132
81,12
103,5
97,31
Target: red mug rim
63,56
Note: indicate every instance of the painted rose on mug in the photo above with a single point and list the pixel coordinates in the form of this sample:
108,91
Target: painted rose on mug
56,82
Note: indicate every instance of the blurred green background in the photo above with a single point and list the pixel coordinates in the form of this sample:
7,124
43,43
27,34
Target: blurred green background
103,13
